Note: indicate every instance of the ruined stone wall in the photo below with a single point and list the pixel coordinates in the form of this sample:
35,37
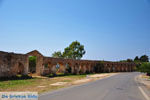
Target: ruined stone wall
12,64
119,66
84,66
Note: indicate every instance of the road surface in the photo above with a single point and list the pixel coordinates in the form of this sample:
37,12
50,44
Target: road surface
118,87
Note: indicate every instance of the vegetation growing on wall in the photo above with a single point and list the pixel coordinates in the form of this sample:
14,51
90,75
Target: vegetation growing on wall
32,64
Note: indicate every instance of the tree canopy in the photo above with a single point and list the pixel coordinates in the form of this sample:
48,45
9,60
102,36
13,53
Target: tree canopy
143,64
74,51
129,60
57,54
136,58
145,67
144,58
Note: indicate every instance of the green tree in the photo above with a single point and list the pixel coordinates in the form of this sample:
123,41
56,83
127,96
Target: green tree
145,67
129,60
137,59
74,51
57,54
144,58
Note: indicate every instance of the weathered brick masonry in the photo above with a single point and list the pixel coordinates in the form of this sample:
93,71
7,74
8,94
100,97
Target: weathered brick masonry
12,64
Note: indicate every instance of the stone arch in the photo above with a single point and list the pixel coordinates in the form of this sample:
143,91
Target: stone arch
118,68
123,67
76,68
52,68
98,67
107,67
87,68
20,68
61,68
126,68
47,68
113,69
83,68
130,68
68,68
92,67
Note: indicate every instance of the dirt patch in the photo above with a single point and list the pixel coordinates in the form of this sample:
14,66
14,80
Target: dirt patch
98,75
81,81
41,86
93,77
59,83
144,79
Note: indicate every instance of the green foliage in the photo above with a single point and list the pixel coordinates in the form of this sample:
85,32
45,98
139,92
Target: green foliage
136,59
32,63
144,58
46,65
129,60
32,58
123,61
57,54
145,67
74,51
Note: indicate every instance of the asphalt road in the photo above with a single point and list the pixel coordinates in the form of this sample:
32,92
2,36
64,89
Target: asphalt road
118,87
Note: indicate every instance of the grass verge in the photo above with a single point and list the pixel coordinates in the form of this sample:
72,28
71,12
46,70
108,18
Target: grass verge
37,84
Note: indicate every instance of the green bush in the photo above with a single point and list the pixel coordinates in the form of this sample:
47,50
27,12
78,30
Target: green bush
145,67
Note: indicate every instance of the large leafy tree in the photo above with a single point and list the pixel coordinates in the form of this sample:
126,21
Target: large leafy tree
74,51
57,54
144,58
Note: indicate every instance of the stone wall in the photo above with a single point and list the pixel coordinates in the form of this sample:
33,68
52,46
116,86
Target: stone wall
84,66
12,64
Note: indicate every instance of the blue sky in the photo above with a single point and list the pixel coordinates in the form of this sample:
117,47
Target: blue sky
109,29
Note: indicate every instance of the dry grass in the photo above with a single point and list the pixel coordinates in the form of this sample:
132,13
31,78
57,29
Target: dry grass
145,76
37,84
44,84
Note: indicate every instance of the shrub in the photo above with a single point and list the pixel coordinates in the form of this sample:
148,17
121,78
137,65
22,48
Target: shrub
145,67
